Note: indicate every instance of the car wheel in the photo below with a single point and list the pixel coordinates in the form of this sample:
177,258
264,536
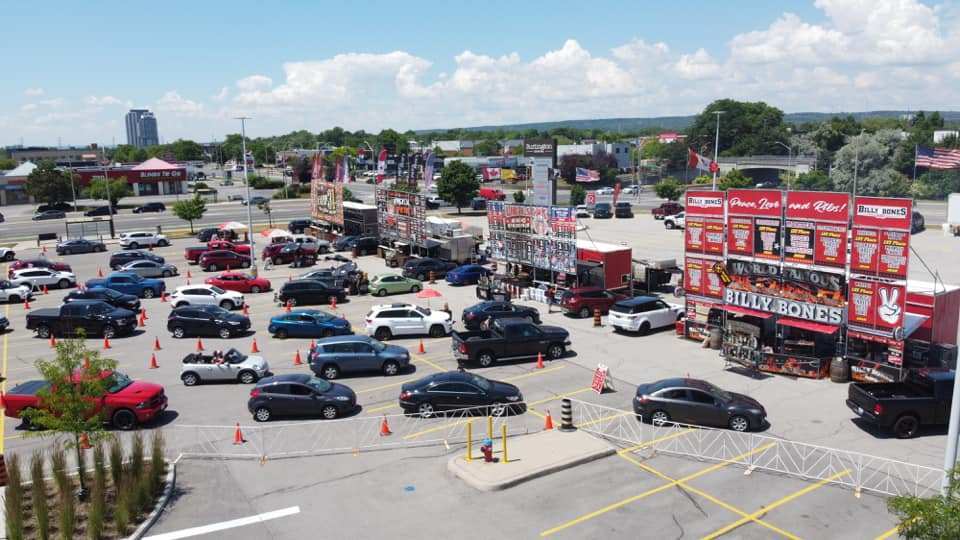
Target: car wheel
906,426
134,245
224,333
254,289
248,377
739,423
421,277
555,351
43,331
167,273
262,414
659,418
101,249
330,372
329,412
148,293
381,292
245,264
163,243
277,261
327,332
669,225
383,333
415,289
13,299
63,283
124,420
584,313
391,368
212,268
280,334
66,252
486,359
644,328
227,305
179,332
8,256
437,331
498,409
425,409
109,331
190,379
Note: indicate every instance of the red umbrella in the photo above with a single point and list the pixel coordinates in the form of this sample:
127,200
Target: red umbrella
428,294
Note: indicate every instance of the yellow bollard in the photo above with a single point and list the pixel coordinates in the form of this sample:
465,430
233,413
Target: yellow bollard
503,434
470,441
490,427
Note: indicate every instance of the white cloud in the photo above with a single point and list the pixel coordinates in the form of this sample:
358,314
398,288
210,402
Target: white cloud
255,83
222,94
173,102
699,65
104,101
33,92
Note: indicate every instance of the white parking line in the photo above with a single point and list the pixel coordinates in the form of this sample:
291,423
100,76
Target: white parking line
223,525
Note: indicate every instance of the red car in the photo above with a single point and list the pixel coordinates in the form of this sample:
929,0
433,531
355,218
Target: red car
242,249
39,263
285,253
126,404
581,301
212,261
240,282
667,209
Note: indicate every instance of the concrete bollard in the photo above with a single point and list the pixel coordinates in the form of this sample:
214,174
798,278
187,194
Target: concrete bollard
566,415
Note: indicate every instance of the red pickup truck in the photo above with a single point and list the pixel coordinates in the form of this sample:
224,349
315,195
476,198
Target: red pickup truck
126,404
667,209
192,254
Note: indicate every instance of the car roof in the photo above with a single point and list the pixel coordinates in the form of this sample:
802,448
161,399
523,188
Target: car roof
89,301
637,300
195,285
578,290
285,378
344,339
397,305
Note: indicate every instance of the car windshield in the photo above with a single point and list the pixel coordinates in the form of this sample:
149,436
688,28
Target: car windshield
100,307
484,384
423,310
234,356
216,289
112,294
319,385
117,382
5,285
378,345
723,394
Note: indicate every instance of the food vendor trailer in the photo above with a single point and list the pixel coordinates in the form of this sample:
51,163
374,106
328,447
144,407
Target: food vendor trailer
603,265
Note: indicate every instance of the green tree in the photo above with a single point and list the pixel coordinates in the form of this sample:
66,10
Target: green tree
7,164
746,128
669,189
519,197
458,184
703,179
871,156
487,147
112,190
734,180
74,387
126,153
812,181
577,195
49,184
931,518
190,210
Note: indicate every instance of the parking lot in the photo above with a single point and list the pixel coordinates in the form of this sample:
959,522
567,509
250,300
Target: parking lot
609,498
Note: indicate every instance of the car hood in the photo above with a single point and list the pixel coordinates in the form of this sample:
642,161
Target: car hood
342,390
256,362
741,400
121,313
395,351
236,317
140,390
439,316
555,330
504,389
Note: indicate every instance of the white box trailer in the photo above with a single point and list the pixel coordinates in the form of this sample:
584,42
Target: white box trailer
952,225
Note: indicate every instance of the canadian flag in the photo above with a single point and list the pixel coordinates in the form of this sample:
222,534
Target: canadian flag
317,173
696,161
382,165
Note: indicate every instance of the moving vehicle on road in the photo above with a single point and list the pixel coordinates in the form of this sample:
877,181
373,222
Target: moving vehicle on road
94,317
668,208
467,274
212,261
121,258
676,221
62,206
256,200
309,291
49,214
240,282
308,323
697,402
922,399
100,211
150,207
39,262
234,366
129,283
80,245
339,355
453,390
581,301
43,277
492,194
643,314
386,321
206,320
298,226
7,254
150,269
299,394
602,210
114,298
13,293
385,284
126,403
479,315
604,191
205,295
623,210
133,240
508,339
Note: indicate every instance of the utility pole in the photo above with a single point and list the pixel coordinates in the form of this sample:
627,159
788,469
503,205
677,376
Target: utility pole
856,162
716,149
246,181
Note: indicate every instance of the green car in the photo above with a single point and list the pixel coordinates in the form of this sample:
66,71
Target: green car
394,284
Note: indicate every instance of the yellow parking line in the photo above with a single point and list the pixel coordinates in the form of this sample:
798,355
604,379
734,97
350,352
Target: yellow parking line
431,363
437,428
779,502
558,396
655,441
628,500
383,408
889,533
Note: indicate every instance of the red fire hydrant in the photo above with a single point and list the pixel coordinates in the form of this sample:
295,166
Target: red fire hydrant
486,447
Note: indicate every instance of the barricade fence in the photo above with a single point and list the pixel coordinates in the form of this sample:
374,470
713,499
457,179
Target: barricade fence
755,451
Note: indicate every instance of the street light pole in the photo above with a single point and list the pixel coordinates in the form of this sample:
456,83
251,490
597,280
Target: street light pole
856,162
793,170
243,142
716,149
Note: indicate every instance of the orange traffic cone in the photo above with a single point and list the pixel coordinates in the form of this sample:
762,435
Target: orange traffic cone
156,344
421,350
297,361
288,307
199,345
53,341
385,427
143,313
548,423
106,343
254,348
153,362
86,362
45,291
26,304
140,322
539,360
99,272
245,311
84,442
238,435
333,302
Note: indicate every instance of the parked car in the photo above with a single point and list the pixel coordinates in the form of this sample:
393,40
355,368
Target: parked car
508,339
114,298
922,399
126,403
676,221
642,314
273,253
7,254
623,210
150,207
697,402
479,315
256,200
205,295
492,194
385,321
49,214
206,320
668,208
39,262
298,226
432,202
133,240
602,210
121,258
308,323
917,223
345,243
94,317
604,191
226,245
38,278
150,269
385,284
467,274
581,301
452,390
240,282
339,355
583,211
232,366
478,204
212,261
79,245
311,244
13,293
101,211
299,394
420,268
308,291
128,283
630,190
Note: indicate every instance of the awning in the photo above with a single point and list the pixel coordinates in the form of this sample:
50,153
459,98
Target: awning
808,325
911,322
747,311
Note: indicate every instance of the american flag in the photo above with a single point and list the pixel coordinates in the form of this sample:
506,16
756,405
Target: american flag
938,158
586,175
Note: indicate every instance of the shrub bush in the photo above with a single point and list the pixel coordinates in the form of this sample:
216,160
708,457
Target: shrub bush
116,463
13,505
41,509
261,182
136,456
285,194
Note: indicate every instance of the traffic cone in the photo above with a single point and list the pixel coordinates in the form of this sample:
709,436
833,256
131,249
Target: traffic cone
385,427
333,302
199,345
143,313
153,362
245,311
106,343
85,442
26,304
288,309
156,344
254,348
140,322
297,361
99,272
548,422
539,360
421,350
86,362
45,291
238,435
53,341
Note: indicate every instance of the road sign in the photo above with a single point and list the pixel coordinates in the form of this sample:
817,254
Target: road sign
592,198
600,382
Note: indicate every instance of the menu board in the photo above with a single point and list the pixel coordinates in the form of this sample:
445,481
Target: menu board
798,241
703,236
816,228
540,236
755,223
401,216
877,305
864,252
831,245
693,235
767,241
693,279
881,237
327,201
740,235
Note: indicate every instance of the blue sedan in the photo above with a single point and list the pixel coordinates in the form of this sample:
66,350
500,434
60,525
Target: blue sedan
468,274
308,323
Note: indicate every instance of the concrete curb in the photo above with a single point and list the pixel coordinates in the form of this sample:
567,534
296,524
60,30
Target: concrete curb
161,504
454,465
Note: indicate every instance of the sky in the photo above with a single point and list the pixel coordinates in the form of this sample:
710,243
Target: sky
71,70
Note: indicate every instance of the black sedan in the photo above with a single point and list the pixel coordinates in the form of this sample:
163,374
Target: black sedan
692,401
79,245
49,214
150,207
206,321
459,390
100,211
479,315
121,258
299,394
114,298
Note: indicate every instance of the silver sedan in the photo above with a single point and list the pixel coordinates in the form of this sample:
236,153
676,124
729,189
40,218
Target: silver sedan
150,269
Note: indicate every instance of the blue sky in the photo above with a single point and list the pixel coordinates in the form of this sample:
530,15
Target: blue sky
71,70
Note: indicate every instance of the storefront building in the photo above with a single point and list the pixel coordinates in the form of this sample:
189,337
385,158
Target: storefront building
152,177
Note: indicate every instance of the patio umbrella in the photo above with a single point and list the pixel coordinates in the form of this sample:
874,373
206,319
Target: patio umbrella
233,226
274,233
428,294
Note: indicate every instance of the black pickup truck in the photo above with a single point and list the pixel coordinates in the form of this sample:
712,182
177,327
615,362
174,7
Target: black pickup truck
922,399
94,317
508,339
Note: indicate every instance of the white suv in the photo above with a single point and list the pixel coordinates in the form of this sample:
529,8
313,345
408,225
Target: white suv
642,314
311,244
387,320
209,295
133,240
676,221
38,277
10,292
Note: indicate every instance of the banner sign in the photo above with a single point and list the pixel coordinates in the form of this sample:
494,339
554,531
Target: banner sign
877,305
740,236
401,216
798,241
755,223
703,236
883,213
540,236
830,246
881,237
704,203
785,306
754,202
804,287
818,206
327,201
701,278
767,238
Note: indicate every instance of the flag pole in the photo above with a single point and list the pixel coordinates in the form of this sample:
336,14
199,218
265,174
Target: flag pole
916,149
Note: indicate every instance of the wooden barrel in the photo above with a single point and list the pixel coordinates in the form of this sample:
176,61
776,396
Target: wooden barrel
839,370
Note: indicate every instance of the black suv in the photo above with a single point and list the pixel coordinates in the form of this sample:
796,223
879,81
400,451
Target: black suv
206,321
297,226
150,207
299,394
421,268
309,291
101,211
366,245
478,315
121,258
114,298
623,210
602,210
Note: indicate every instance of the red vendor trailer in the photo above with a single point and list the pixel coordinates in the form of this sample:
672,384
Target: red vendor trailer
603,265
